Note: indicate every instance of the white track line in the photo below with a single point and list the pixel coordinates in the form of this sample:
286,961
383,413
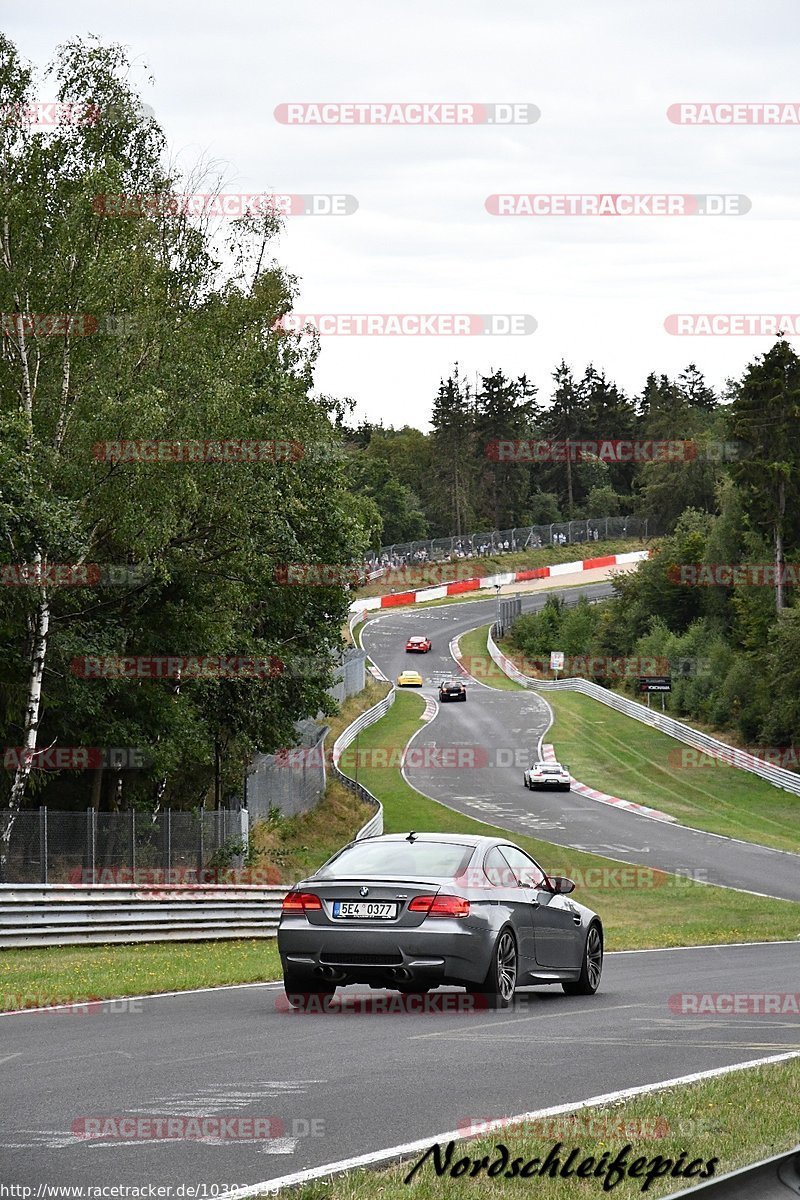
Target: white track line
223,987
611,858
393,1153
723,837
233,987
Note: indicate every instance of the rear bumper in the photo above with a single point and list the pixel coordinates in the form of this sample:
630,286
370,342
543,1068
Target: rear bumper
446,952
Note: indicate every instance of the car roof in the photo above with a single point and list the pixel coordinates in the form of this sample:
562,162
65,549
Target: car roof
459,839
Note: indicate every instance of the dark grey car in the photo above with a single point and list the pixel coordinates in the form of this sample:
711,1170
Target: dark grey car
413,911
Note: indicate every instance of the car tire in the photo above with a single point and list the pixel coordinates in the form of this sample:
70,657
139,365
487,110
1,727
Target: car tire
464,697
525,781
591,967
498,987
308,994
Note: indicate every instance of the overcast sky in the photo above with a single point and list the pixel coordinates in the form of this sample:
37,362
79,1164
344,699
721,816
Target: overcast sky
602,72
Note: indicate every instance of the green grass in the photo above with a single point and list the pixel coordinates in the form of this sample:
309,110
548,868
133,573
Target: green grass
607,750
707,1120
640,907
475,658
415,578
615,754
70,974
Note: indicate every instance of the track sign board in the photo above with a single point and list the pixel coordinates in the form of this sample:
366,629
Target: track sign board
655,683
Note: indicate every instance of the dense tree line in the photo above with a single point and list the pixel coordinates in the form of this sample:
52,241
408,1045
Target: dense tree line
185,345
454,480
180,346
731,636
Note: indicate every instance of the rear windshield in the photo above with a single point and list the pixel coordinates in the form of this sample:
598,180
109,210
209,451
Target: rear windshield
399,859
551,770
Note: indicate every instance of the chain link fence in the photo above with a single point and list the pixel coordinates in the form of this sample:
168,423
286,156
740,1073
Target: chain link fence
48,846
290,781
349,676
508,541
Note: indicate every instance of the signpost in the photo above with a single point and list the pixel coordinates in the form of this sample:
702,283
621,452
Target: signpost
655,683
556,661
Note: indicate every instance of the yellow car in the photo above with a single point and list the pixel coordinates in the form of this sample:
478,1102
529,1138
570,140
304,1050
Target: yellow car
409,679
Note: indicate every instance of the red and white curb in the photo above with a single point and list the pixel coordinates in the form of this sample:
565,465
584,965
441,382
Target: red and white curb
396,599
549,755
431,708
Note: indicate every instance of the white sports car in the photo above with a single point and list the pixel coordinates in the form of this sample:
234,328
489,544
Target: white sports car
547,775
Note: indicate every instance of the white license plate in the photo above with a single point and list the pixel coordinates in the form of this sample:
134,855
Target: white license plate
364,910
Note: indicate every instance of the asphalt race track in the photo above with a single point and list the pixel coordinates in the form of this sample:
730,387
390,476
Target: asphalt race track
369,1080
500,732
360,1078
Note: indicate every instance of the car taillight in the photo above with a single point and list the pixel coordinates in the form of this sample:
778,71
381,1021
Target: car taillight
440,906
295,902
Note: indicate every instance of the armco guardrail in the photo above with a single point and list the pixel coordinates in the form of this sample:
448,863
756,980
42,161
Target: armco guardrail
373,827
67,915
776,1178
777,776
75,914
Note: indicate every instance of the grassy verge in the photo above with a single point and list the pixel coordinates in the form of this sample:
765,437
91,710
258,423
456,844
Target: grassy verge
640,907
474,658
414,578
295,846
608,750
71,974
705,1120
612,752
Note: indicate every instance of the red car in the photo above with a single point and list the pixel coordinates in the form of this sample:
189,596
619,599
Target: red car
418,645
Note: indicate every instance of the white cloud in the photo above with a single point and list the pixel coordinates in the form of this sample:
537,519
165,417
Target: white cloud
603,77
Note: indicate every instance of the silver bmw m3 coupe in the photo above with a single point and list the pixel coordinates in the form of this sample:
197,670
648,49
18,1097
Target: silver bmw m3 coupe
414,911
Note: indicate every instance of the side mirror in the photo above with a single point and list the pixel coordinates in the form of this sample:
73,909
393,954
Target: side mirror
561,885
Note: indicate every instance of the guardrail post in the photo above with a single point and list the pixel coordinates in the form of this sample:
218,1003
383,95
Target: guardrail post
42,844
166,839
91,841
